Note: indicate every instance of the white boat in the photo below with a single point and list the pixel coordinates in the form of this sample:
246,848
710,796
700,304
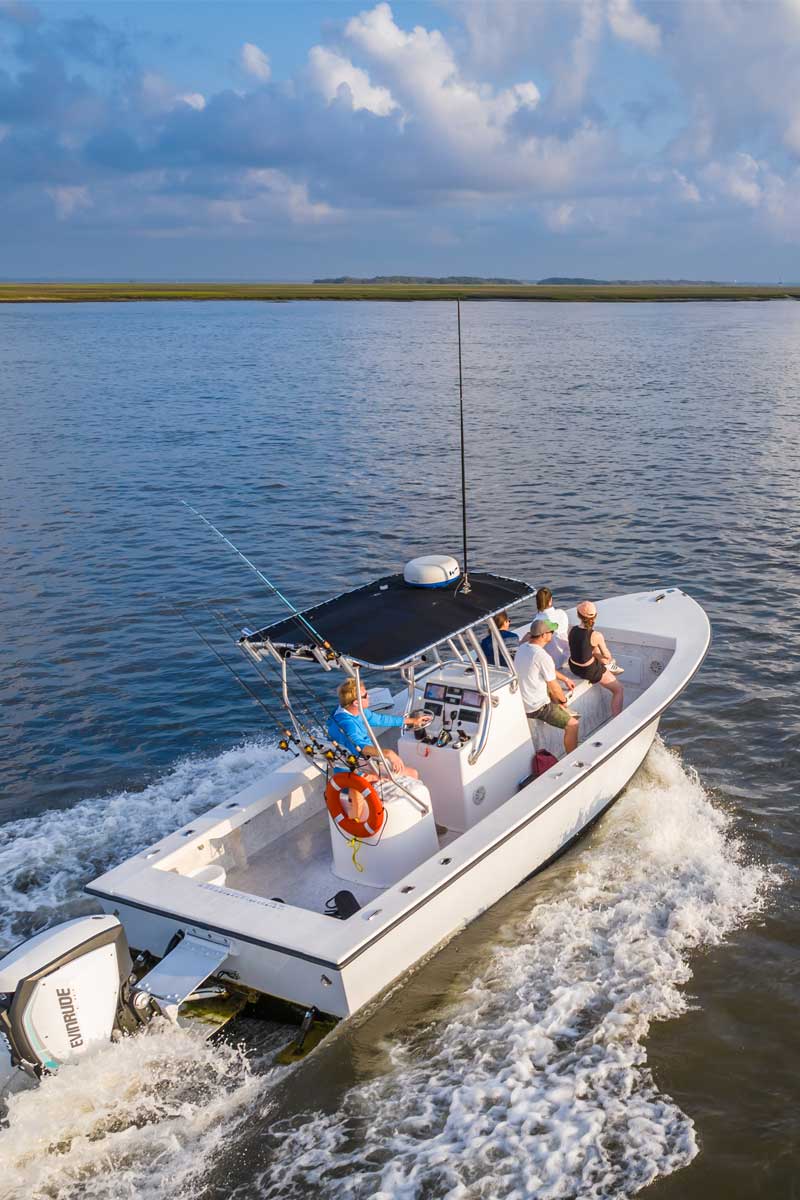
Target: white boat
266,894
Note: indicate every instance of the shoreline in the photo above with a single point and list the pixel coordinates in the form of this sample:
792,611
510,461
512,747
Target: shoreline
70,293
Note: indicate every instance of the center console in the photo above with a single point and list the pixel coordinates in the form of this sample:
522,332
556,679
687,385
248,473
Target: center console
464,791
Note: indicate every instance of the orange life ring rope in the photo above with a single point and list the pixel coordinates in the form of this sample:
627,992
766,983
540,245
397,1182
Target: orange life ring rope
347,781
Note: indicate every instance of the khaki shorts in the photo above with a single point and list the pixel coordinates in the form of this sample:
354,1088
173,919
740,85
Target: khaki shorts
552,714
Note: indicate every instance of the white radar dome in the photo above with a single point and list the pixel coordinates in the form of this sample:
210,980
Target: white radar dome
431,571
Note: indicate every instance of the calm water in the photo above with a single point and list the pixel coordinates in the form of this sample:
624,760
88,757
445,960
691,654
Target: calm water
627,1020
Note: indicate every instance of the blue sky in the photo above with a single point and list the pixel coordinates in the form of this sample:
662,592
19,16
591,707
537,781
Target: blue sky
292,140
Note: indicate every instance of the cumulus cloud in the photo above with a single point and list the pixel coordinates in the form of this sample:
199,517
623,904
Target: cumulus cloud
389,122
290,196
69,200
687,190
730,63
157,95
330,71
155,92
631,26
195,100
421,70
255,62
228,212
739,179
559,217
572,79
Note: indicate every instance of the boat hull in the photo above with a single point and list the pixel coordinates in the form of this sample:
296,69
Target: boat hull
529,849
293,950
342,988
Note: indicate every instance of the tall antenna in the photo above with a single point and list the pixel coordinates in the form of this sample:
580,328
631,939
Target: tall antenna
464,586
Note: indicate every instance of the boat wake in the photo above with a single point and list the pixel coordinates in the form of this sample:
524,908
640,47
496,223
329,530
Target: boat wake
46,860
127,1119
538,1083
135,1119
535,1082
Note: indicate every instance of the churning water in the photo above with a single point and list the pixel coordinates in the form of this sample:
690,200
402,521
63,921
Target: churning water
628,1013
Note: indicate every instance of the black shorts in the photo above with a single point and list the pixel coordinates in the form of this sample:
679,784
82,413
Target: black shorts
594,672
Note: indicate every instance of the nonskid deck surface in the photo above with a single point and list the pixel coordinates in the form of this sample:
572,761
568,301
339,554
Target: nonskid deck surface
297,868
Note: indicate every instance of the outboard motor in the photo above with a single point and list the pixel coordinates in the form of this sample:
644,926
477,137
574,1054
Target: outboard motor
64,992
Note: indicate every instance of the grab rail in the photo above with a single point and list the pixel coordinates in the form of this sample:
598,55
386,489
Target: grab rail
486,691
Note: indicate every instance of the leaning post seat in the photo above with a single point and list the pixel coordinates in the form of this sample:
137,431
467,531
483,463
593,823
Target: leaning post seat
407,838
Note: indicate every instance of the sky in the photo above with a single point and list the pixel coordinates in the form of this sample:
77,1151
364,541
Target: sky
299,139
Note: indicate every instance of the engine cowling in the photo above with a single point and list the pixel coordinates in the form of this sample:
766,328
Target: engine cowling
60,992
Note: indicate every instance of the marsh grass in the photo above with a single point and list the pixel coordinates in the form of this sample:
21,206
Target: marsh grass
80,292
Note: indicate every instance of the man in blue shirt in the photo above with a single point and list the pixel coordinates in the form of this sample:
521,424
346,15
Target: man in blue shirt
511,640
347,727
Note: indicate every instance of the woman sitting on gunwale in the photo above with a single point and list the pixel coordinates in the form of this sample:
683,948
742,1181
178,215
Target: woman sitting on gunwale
589,656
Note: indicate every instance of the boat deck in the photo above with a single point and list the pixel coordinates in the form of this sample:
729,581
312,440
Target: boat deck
297,868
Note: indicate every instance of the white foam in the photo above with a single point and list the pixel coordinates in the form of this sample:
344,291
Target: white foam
538,1083
46,860
144,1118
148,1116
535,1083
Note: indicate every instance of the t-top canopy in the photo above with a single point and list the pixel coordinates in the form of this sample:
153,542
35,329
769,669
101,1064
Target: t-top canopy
388,623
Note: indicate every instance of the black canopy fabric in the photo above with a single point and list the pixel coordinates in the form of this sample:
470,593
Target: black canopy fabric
387,623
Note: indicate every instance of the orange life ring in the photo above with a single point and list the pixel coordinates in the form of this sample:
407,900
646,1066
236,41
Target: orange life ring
346,781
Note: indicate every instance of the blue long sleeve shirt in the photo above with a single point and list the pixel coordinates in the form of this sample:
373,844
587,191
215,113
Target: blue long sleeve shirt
349,730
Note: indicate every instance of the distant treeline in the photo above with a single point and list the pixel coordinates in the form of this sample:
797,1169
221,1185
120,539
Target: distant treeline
441,279
579,282
568,280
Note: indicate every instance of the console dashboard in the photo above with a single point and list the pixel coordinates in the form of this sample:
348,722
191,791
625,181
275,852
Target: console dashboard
452,705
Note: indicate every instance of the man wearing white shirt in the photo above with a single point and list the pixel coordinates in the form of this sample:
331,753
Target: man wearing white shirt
541,691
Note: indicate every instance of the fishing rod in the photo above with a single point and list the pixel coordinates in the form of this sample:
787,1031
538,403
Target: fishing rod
286,735
298,615
464,584
311,718
307,724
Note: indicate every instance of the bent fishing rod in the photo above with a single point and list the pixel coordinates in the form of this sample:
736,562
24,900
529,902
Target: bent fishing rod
268,583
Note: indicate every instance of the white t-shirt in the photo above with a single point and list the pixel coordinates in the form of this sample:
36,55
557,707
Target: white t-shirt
560,617
558,646
534,667
558,651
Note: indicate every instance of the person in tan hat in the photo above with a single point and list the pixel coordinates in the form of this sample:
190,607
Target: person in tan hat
590,658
